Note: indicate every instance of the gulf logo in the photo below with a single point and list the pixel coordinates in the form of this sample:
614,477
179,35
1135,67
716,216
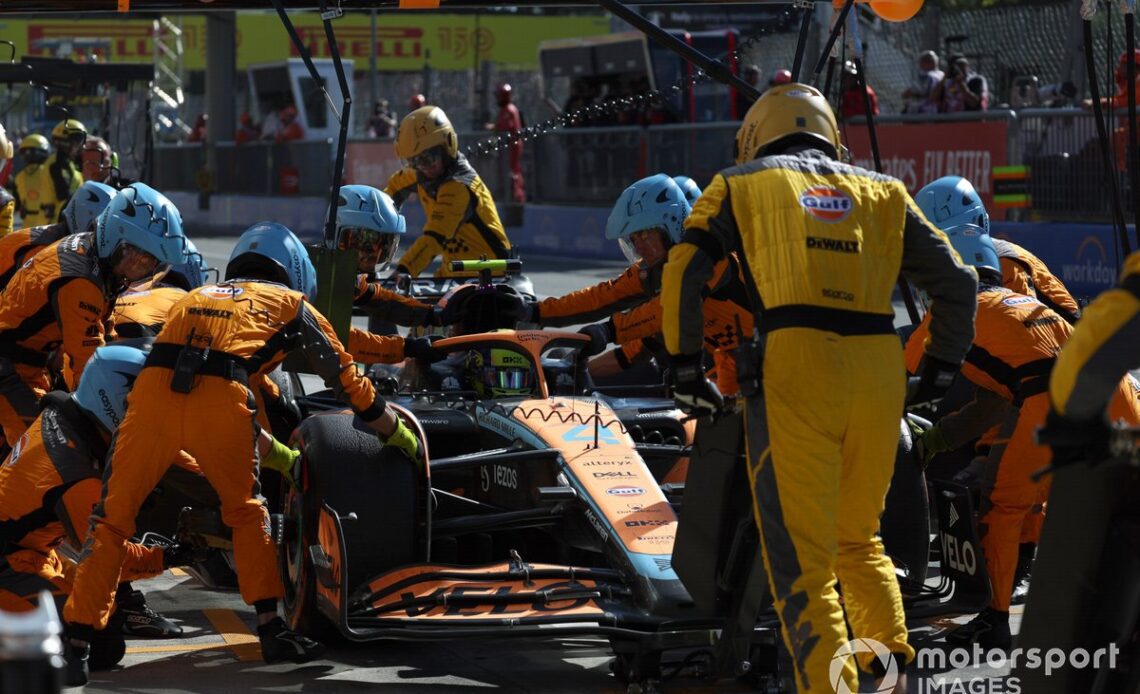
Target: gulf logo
625,491
826,204
222,291
1019,300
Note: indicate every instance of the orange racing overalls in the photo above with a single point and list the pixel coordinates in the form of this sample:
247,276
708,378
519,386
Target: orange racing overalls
20,245
48,487
249,327
1025,274
58,299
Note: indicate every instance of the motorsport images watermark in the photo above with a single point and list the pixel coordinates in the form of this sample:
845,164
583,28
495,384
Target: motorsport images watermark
941,660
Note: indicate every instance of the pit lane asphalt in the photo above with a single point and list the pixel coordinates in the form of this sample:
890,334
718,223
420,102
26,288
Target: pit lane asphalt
219,651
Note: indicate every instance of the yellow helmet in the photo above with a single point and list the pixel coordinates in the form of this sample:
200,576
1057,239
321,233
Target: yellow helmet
35,149
69,130
6,148
783,111
423,129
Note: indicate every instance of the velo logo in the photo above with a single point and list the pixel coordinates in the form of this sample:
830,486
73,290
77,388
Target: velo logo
826,204
854,647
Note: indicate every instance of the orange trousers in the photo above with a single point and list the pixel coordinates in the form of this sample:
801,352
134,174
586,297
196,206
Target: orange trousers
215,424
1011,501
26,572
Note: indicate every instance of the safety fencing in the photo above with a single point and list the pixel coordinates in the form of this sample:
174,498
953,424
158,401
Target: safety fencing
1065,178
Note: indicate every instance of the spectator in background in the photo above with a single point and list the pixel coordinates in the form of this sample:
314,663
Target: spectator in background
961,89
575,108
510,123
781,76
1119,99
416,101
290,127
918,94
247,130
851,102
751,75
97,158
382,122
200,130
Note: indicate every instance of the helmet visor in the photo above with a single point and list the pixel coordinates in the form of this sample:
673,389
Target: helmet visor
35,156
426,158
508,380
375,247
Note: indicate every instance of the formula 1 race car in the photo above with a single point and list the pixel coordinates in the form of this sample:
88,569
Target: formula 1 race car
549,508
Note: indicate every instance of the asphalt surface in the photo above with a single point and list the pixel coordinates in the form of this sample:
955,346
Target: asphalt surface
219,652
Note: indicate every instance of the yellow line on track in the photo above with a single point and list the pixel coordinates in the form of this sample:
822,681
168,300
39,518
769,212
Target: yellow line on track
177,649
235,633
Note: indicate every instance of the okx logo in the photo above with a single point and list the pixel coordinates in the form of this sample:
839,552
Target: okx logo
855,647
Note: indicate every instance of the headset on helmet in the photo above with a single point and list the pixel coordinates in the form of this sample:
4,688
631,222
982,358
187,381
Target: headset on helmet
367,220
86,205
783,113
144,218
70,131
35,149
272,247
107,379
426,128
500,372
656,202
190,273
952,205
6,149
689,187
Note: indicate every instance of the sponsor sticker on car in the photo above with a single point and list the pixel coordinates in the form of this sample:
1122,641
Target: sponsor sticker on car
625,490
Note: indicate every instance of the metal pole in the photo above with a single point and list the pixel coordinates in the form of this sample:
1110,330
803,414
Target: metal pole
373,90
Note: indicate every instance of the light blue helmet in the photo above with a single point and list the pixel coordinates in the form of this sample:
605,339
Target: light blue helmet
656,202
952,205
269,246
190,273
105,382
86,205
689,187
950,201
367,221
142,217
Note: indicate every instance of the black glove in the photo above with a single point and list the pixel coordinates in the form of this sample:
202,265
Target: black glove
420,348
180,554
523,311
692,391
401,278
1074,441
932,383
600,334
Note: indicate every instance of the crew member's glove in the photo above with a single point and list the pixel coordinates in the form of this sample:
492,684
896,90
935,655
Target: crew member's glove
971,475
932,383
1074,441
692,391
600,334
930,443
282,459
420,348
401,278
183,554
522,311
405,439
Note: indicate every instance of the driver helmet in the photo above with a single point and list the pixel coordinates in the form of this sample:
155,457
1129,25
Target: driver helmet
367,221
499,372
656,202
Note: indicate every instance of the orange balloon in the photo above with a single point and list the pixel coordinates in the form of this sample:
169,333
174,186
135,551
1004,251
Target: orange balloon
896,10
890,10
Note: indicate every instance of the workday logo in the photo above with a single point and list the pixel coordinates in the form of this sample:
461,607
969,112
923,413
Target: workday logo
853,648
1090,265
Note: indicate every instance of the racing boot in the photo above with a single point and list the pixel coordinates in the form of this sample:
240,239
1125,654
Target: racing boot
279,643
1022,573
76,670
990,629
139,619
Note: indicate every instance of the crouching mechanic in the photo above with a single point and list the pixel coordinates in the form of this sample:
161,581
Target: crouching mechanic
214,342
60,298
51,482
825,414
462,221
367,222
79,216
1015,348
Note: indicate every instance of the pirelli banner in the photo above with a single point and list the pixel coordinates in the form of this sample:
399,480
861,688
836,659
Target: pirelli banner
404,41
918,153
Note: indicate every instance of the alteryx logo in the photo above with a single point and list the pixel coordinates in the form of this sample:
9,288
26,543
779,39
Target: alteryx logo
1090,265
826,204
